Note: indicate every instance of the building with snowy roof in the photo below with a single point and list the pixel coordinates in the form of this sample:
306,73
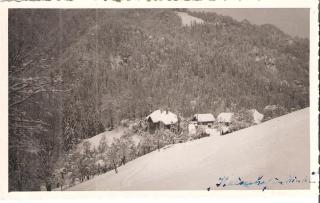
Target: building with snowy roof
225,118
206,119
161,119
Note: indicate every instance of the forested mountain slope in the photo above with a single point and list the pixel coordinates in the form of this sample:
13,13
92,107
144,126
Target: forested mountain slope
130,66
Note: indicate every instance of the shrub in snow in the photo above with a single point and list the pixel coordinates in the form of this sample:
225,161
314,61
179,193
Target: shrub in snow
146,144
192,129
200,132
182,137
238,125
273,111
243,115
137,126
113,155
102,145
225,130
257,117
241,119
126,149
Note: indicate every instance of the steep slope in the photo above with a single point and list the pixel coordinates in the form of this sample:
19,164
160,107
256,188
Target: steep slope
278,148
123,67
128,66
109,136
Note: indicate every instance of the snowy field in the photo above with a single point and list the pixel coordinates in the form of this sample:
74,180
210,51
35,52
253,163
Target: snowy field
109,135
278,148
188,20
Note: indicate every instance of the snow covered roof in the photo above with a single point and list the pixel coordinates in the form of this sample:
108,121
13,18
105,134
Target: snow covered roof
165,117
205,117
225,117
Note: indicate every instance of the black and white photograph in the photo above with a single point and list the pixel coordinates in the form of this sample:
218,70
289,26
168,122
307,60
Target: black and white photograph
148,99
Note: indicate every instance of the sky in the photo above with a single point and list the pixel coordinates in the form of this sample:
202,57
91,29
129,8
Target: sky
293,21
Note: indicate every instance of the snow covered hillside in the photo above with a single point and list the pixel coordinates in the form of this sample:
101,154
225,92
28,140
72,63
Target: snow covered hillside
188,20
278,148
109,135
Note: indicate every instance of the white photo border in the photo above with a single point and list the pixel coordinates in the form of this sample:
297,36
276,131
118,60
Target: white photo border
314,94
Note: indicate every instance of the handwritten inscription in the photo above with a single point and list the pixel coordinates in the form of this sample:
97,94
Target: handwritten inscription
259,182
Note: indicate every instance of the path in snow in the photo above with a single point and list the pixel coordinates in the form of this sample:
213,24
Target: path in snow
277,148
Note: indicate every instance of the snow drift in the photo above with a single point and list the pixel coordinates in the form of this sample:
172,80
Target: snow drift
278,148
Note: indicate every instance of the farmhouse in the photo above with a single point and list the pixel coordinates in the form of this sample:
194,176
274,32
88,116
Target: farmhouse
225,118
160,119
204,119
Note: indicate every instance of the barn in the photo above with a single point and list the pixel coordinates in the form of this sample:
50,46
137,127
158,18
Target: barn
161,119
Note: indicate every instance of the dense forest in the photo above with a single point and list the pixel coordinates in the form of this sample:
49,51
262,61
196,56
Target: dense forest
75,73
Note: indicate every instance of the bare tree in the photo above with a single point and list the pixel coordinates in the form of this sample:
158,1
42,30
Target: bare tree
113,155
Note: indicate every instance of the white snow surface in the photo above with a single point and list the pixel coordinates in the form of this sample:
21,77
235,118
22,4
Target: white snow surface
205,117
212,131
188,20
257,117
163,116
225,117
192,129
225,129
95,141
276,148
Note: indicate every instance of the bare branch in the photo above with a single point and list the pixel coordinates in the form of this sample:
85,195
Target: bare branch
12,90
36,92
26,98
31,121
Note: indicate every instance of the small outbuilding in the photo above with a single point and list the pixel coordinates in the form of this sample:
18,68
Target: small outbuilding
206,119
